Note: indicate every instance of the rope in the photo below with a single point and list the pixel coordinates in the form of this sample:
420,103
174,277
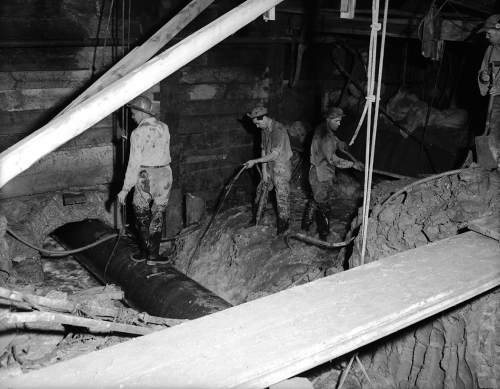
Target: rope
106,36
371,140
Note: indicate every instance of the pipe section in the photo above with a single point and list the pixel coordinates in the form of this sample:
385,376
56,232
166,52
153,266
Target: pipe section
158,290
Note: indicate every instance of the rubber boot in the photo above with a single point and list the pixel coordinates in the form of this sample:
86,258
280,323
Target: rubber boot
282,226
153,253
323,222
308,217
144,220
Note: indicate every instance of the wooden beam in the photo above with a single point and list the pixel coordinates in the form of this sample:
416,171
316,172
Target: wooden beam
33,99
488,226
265,341
44,79
73,122
142,54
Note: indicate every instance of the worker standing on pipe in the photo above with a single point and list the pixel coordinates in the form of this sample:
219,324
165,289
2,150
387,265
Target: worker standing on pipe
149,172
276,164
322,172
488,80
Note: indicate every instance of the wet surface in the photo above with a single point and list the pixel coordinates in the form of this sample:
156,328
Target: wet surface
65,274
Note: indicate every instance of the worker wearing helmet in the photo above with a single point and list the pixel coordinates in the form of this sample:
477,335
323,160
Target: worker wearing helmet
149,172
324,161
488,79
275,160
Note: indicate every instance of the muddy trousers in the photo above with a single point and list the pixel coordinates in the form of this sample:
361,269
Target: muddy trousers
280,174
318,205
151,195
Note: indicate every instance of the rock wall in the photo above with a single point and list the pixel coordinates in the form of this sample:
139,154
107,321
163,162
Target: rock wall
459,348
33,218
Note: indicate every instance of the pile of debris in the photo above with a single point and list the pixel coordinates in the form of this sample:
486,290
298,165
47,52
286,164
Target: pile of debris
38,331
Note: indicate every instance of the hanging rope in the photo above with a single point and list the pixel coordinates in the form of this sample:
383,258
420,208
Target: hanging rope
371,139
106,36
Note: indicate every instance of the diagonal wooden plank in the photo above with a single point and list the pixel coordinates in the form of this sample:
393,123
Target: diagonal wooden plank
265,341
146,51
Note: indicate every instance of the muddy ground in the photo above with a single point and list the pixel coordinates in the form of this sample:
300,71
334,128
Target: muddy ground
241,262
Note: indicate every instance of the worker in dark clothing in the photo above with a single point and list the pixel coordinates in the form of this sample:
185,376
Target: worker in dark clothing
149,172
488,80
276,164
322,172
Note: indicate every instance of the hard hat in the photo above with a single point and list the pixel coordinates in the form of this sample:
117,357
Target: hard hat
258,111
333,112
141,103
491,23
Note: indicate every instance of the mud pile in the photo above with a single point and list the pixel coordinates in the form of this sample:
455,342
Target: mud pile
427,212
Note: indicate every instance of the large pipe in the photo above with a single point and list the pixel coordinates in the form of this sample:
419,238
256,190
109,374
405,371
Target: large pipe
158,290
65,127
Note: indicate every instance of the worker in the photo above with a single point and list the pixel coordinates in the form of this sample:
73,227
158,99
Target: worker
276,165
322,172
488,79
149,172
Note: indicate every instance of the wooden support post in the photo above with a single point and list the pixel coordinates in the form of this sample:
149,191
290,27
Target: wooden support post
73,122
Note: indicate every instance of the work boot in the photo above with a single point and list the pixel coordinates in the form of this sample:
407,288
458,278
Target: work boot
144,220
153,251
323,222
308,217
282,226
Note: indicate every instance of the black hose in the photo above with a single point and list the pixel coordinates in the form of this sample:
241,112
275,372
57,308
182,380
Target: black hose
316,242
59,253
69,252
216,213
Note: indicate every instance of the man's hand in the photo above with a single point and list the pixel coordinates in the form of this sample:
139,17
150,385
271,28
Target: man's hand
359,166
495,91
265,175
343,146
122,196
485,77
250,163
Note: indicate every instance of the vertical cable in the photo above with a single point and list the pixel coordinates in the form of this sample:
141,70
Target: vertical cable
370,147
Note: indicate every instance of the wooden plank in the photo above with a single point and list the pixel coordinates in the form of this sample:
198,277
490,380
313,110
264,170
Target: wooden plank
66,58
53,28
218,107
232,55
222,75
230,92
210,123
62,169
488,226
212,178
90,138
44,79
33,99
203,143
25,122
234,156
265,341
72,123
